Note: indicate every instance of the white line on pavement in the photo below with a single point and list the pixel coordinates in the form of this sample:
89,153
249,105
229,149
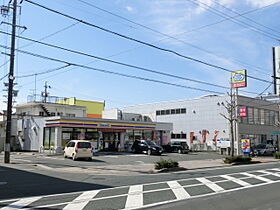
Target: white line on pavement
211,185
238,181
256,177
135,197
21,203
178,190
269,173
81,201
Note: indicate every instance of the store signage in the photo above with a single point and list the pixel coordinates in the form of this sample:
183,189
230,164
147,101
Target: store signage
242,112
245,145
238,79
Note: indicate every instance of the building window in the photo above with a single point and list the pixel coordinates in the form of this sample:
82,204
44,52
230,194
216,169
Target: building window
250,115
167,111
52,114
173,111
162,112
157,112
178,111
183,111
172,136
184,136
41,114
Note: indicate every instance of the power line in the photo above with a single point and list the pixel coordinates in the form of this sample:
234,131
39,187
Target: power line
44,72
164,34
250,19
136,40
222,14
111,72
123,64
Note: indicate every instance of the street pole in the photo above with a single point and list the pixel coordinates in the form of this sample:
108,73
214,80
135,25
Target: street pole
232,109
10,87
237,124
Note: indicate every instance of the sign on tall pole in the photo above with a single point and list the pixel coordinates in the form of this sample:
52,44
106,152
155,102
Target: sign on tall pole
238,80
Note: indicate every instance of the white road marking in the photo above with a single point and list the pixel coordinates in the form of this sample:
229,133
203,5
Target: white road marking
178,190
81,201
269,173
211,185
238,181
256,177
275,169
21,203
135,197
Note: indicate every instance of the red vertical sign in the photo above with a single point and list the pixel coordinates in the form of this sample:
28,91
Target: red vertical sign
242,112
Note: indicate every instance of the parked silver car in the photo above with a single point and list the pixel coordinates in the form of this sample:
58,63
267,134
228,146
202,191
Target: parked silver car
264,149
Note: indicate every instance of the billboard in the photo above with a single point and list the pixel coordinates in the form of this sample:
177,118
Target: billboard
238,79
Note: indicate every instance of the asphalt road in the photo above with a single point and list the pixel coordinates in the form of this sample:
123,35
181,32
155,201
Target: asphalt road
239,187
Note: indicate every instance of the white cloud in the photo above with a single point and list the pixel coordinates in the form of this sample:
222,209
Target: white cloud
261,3
129,9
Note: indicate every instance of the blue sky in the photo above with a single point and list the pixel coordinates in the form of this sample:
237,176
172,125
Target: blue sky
225,44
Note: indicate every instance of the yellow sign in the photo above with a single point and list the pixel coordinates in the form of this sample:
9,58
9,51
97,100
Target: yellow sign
238,79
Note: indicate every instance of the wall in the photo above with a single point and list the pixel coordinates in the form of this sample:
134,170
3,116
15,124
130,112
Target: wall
94,108
201,114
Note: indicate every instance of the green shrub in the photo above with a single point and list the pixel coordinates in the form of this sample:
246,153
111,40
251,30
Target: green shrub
166,164
277,155
237,159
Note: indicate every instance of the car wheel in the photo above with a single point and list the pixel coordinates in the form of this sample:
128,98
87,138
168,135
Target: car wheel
149,152
179,151
65,156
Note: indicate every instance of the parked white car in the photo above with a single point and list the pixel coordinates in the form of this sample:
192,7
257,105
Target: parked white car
78,149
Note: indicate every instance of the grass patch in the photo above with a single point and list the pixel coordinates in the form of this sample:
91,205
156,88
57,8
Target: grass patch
166,164
277,155
237,159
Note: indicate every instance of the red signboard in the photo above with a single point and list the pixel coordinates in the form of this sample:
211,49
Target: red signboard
242,112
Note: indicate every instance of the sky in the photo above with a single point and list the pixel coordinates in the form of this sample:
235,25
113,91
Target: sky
232,34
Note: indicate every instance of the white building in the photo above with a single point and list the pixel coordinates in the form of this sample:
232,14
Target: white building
199,121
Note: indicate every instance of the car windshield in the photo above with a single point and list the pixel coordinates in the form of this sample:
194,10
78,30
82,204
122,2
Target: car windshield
260,146
84,145
150,143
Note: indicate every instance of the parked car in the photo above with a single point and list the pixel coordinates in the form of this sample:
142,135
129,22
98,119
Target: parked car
78,149
176,146
146,146
264,149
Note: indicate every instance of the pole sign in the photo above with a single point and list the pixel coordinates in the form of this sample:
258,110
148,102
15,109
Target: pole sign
245,146
238,79
242,111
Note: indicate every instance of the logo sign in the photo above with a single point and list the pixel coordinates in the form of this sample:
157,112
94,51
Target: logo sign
245,145
242,112
238,79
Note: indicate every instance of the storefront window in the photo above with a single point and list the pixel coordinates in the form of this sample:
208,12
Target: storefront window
49,138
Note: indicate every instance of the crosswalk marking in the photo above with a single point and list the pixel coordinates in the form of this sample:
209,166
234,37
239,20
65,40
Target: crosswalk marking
211,185
135,197
256,177
275,169
270,173
178,190
81,201
21,203
238,181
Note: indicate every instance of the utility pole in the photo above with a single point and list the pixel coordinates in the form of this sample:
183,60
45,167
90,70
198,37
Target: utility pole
10,87
45,94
